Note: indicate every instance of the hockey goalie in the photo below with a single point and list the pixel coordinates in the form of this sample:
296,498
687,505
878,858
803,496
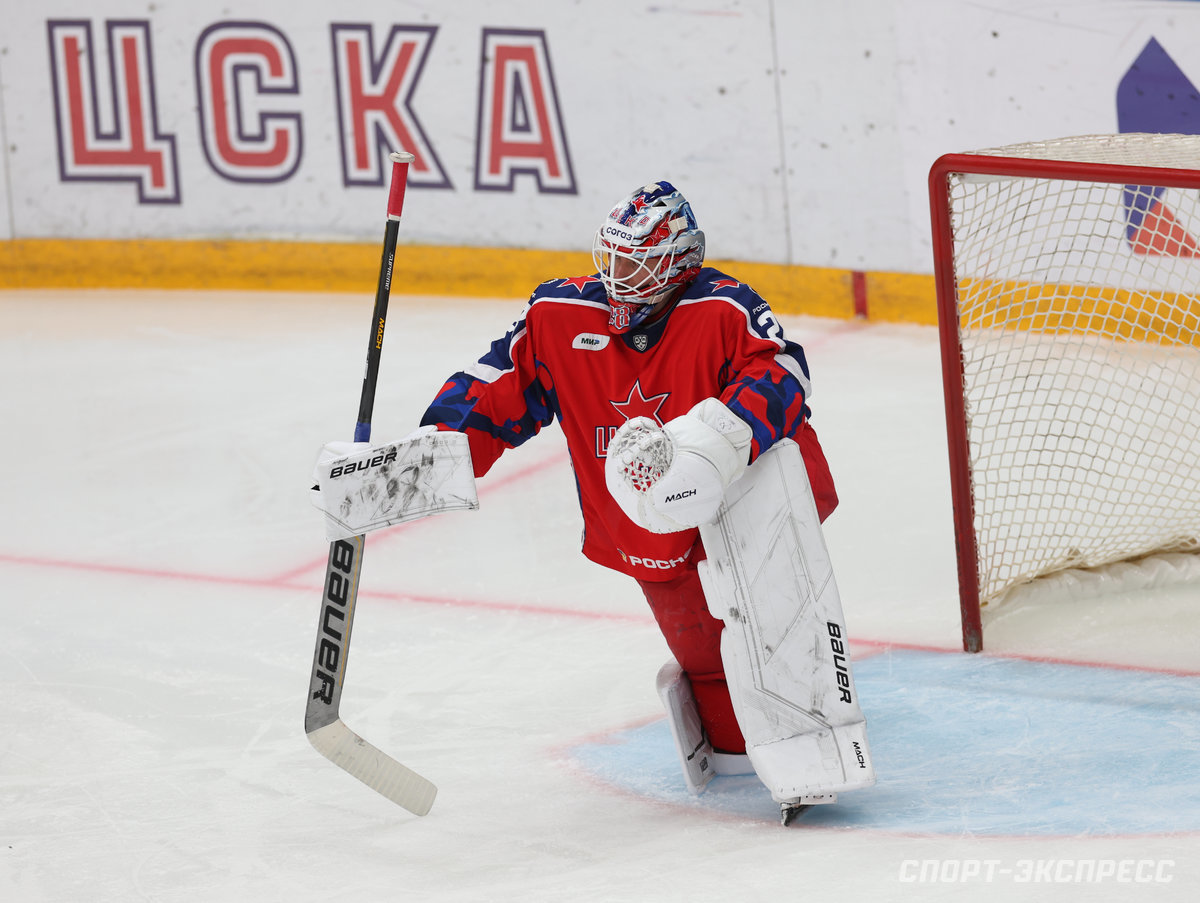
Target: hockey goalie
685,410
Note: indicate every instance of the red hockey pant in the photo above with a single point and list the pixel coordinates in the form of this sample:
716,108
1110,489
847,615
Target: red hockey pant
694,638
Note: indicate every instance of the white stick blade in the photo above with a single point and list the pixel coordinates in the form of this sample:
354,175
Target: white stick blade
380,772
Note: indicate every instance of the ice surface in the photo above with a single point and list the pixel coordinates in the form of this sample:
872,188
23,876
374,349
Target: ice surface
161,570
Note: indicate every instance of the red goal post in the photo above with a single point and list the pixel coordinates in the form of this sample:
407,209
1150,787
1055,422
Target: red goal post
1068,291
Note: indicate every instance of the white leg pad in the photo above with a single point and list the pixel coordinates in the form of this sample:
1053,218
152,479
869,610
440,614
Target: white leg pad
395,483
769,577
695,752
732,763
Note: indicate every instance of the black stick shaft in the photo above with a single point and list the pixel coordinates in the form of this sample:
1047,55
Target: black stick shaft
366,403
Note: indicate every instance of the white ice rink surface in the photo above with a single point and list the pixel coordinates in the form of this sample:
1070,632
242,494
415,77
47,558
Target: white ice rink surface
161,573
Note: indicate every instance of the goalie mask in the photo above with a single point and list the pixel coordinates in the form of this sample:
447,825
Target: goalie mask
648,245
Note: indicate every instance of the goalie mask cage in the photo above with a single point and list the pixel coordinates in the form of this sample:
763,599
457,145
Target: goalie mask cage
1068,288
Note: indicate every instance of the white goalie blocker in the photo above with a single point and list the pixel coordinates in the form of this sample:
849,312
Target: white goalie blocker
384,485
768,576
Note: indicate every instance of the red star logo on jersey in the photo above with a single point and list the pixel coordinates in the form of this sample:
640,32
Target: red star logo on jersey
718,284
578,281
638,405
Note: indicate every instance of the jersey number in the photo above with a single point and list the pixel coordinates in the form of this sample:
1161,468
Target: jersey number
770,326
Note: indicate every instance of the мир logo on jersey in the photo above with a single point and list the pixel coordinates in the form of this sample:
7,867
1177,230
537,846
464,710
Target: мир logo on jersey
590,341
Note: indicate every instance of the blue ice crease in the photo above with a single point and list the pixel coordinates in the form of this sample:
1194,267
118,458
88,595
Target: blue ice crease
975,745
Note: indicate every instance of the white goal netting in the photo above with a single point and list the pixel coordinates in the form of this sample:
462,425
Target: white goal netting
1079,330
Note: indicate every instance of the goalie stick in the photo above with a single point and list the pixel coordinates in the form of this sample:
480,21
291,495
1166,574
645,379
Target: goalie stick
322,722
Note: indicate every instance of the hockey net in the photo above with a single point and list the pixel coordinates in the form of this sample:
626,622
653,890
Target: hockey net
1068,278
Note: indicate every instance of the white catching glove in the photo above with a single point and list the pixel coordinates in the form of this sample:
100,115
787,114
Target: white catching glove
673,477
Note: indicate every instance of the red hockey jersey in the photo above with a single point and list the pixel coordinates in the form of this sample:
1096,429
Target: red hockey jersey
559,360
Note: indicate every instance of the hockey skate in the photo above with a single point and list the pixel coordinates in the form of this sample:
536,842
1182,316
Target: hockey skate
789,809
